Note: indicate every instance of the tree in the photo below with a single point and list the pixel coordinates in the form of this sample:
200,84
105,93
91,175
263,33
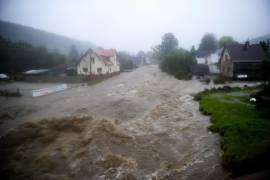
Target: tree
141,57
193,51
178,63
172,60
150,58
19,57
266,64
125,61
73,55
208,43
156,50
226,40
168,44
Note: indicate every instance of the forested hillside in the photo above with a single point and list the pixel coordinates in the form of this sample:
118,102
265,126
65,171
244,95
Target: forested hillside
35,37
18,57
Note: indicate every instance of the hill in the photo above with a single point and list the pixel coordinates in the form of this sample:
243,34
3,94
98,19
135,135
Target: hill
260,38
19,57
36,37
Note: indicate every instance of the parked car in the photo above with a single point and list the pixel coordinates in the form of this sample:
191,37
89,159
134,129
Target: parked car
4,77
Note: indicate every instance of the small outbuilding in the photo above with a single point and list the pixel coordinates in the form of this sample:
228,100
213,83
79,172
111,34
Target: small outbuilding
199,70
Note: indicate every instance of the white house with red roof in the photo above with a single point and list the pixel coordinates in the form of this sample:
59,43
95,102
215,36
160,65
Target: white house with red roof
98,62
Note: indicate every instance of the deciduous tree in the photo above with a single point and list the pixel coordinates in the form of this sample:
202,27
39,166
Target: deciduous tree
208,43
226,40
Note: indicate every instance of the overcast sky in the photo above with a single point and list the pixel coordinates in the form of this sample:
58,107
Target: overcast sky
134,25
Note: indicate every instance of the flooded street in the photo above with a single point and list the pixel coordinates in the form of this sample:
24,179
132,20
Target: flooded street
166,136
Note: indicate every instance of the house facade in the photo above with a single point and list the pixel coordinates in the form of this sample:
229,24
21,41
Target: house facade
98,62
241,61
210,59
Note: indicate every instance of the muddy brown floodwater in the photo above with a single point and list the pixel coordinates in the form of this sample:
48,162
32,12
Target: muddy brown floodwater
142,124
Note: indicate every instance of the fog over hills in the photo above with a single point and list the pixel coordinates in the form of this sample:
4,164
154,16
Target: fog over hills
260,38
36,37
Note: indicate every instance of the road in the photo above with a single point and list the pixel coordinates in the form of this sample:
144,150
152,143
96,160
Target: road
149,105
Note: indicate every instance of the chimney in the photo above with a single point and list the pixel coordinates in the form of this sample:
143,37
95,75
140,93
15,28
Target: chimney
247,45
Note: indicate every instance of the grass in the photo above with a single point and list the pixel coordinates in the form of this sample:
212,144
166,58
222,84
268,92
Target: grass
245,136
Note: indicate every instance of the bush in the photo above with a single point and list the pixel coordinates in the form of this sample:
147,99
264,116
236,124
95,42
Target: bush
182,75
208,80
263,102
219,80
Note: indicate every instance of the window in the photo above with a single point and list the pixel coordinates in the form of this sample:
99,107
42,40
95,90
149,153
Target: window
85,70
99,70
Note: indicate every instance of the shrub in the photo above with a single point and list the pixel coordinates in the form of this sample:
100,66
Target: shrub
182,75
219,80
263,102
207,80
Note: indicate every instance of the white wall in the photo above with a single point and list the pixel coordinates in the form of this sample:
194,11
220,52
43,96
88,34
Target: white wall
98,63
84,63
211,61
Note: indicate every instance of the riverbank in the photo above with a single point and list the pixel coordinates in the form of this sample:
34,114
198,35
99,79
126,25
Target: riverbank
245,136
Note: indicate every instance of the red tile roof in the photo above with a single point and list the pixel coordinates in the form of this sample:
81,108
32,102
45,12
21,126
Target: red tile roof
105,52
104,55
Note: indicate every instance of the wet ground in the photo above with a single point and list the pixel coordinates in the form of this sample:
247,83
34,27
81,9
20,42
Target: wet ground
167,135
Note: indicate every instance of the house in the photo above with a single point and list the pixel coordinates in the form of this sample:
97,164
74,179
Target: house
199,70
209,58
98,62
242,61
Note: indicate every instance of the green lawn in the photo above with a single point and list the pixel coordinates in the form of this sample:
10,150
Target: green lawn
245,136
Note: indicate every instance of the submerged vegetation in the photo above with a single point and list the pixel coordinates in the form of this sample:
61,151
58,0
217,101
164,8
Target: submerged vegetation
245,135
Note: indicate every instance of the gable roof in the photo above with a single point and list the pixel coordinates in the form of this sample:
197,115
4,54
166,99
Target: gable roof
252,53
105,52
103,55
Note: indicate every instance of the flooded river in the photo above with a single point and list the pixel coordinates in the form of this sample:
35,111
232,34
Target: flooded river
166,136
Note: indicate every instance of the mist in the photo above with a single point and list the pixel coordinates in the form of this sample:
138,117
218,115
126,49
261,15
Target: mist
139,24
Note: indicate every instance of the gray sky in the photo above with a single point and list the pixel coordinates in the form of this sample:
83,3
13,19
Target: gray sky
134,25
